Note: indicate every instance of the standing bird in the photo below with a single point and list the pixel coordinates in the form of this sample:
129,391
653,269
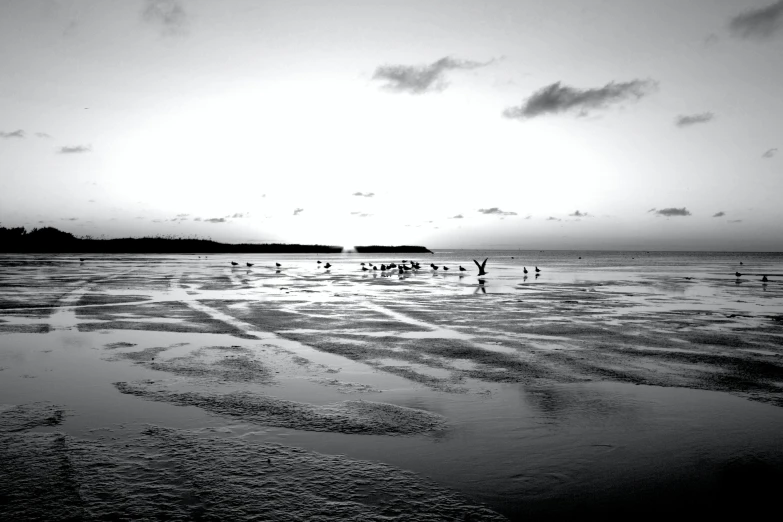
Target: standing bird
278,265
81,259
362,264
538,270
249,264
319,261
462,269
524,269
481,266
764,279
445,267
364,268
737,274
234,263
327,265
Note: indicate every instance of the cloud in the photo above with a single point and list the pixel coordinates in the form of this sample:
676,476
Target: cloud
76,149
556,98
91,201
458,216
759,23
551,218
529,216
238,215
579,214
496,211
364,194
418,79
197,219
770,153
719,214
692,119
15,134
651,210
42,135
734,221
168,15
298,211
670,212
69,219
215,220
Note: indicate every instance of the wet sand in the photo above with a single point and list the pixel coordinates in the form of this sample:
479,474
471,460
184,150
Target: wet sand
599,391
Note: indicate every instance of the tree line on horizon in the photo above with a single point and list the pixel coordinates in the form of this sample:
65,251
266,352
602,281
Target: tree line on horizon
52,240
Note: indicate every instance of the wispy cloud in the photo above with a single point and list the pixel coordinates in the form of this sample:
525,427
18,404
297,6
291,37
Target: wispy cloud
418,79
298,211
579,214
183,215
684,120
552,218
719,214
15,134
770,153
197,219
760,23
458,216
42,135
238,215
69,219
529,216
215,220
76,149
496,211
671,212
557,98
168,15
364,194
734,221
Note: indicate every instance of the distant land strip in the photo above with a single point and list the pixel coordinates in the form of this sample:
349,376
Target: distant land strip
54,241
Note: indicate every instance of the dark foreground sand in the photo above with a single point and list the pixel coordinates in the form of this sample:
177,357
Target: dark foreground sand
179,388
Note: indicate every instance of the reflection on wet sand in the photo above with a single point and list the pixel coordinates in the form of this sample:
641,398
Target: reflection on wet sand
536,398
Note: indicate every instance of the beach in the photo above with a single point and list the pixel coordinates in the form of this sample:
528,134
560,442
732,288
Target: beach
183,387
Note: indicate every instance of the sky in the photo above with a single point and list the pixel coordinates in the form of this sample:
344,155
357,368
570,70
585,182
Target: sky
514,124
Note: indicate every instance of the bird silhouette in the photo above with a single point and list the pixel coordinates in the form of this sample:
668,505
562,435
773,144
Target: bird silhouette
234,263
764,279
481,266
362,264
278,265
319,262
327,265
249,264
81,259
538,269
462,269
445,267
737,274
524,269
364,268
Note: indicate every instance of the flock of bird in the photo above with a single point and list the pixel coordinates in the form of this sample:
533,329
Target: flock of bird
405,266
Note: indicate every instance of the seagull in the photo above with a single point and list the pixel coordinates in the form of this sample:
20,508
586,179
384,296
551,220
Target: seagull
234,263
364,268
462,269
319,261
445,267
249,264
737,274
362,264
278,265
434,267
524,269
327,266
538,269
481,266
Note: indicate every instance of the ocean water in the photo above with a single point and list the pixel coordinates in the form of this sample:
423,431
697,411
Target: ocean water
551,445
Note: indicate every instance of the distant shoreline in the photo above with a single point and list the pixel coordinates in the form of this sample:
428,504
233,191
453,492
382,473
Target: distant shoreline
53,241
